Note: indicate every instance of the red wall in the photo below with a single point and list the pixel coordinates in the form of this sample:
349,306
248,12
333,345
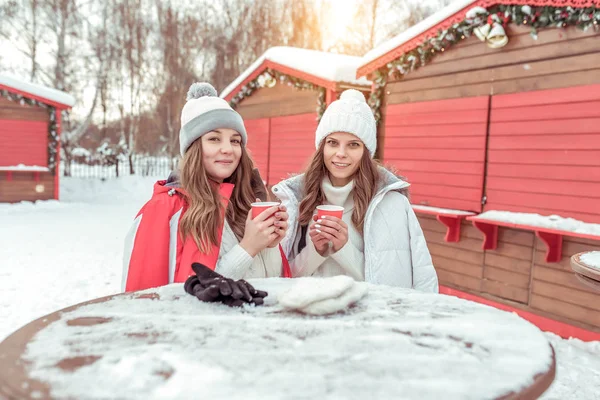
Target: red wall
544,153
23,142
281,146
258,144
440,147
292,144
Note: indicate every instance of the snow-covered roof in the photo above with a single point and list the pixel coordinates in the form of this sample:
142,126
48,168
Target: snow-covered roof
43,92
329,66
415,31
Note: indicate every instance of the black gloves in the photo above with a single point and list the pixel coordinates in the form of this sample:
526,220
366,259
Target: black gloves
208,285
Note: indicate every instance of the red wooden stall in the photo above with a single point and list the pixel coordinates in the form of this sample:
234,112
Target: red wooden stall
30,124
281,96
509,123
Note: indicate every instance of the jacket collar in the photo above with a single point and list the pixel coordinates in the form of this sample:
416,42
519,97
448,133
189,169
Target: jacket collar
162,186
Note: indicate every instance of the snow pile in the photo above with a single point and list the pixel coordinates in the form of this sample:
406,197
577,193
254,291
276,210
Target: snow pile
577,372
591,259
74,246
125,189
23,167
544,221
394,341
330,66
38,90
447,211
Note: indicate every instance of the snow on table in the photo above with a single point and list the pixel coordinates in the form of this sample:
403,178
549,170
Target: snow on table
543,221
591,259
395,343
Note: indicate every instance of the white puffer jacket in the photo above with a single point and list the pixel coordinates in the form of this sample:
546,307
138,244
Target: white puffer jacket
395,250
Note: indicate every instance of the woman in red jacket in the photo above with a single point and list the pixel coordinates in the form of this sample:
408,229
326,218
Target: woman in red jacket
202,214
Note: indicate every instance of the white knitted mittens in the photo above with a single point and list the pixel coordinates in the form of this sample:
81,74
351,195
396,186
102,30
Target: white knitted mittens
322,296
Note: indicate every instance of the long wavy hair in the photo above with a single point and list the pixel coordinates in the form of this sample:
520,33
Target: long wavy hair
204,215
366,180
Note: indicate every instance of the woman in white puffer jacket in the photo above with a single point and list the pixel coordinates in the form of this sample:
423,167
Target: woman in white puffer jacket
378,239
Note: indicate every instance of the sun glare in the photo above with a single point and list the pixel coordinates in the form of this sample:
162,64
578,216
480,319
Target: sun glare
339,18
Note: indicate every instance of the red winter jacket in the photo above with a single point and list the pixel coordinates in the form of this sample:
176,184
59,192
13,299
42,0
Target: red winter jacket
155,254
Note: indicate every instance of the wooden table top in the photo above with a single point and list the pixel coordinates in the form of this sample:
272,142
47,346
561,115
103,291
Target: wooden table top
163,343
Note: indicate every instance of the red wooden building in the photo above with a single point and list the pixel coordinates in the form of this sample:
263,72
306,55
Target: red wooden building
30,120
483,113
281,96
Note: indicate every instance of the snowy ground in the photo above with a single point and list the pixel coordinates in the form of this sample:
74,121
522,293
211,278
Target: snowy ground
53,255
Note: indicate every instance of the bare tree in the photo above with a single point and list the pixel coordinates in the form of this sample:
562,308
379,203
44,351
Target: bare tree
21,25
103,55
375,21
131,28
306,29
180,40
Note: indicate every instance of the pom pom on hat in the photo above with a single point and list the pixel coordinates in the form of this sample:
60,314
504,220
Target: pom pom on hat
201,89
350,114
352,94
204,112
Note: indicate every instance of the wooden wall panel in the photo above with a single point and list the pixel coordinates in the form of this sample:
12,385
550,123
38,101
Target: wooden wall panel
292,144
536,126
556,289
460,264
507,270
440,148
515,273
22,187
280,100
23,142
258,144
11,110
558,58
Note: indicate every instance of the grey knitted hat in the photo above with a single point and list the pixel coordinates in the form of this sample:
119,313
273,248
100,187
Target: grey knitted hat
203,112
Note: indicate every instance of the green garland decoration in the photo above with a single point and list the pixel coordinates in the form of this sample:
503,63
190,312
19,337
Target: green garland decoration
536,17
52,128
270,78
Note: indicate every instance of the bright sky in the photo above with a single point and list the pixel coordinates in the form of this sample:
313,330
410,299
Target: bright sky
339,20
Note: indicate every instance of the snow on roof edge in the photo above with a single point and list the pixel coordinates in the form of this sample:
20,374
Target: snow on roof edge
414,31
271,55
237,81
41,91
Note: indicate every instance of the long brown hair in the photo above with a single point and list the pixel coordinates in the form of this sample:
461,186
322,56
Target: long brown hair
203,217
366,179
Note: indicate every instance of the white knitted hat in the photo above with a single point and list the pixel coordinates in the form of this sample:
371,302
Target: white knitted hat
203,112
350,114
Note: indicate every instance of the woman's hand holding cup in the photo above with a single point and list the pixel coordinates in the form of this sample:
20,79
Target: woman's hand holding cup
281,223
328,227
260,230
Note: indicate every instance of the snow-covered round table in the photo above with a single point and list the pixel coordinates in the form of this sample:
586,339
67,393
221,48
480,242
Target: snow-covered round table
163,343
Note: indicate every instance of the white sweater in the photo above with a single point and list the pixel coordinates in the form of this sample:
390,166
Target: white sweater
349,260
235,263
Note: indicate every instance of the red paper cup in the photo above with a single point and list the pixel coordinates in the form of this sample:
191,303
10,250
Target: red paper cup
261,206
334,211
